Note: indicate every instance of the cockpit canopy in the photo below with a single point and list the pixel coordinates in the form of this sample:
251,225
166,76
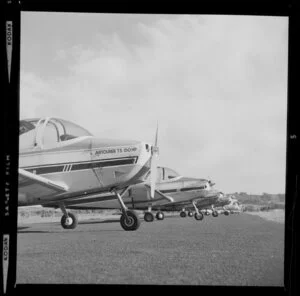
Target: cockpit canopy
164,174
48,132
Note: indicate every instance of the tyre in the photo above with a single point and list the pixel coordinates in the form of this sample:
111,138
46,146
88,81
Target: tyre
215,214
131,222
69,222
199,216
148,217
226,213
182,214
190,214
160,215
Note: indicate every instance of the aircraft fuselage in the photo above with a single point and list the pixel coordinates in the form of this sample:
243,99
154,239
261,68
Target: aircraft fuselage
85,165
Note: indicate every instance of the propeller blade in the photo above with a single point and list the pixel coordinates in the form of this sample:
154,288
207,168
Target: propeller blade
153,174
153,166
156,136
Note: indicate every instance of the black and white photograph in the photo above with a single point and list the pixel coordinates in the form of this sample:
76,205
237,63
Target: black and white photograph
152,149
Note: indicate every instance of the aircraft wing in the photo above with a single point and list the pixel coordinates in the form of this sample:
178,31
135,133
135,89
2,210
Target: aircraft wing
36,187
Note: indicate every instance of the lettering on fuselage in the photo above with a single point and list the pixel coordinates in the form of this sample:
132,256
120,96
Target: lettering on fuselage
115,150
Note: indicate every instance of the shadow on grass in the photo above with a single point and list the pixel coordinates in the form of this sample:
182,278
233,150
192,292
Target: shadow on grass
21,229
98,221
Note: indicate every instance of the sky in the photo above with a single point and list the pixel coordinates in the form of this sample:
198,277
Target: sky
215,84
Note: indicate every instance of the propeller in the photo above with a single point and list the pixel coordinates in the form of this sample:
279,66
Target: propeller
153,165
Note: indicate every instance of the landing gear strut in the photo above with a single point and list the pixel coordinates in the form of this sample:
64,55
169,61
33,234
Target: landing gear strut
129,219
68,220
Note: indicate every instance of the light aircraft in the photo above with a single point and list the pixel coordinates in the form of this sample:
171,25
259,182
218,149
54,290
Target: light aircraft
234,207
60,160
224,204
172,193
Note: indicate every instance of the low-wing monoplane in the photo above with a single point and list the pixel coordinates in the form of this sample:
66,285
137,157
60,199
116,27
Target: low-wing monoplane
60,160
215,205
172,193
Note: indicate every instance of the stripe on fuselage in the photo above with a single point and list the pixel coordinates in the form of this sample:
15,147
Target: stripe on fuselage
192,188
168,190
78,166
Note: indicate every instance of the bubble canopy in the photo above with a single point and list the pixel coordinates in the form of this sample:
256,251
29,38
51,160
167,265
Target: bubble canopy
58,129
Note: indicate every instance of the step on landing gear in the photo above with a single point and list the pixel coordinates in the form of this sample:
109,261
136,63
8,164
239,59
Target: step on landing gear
129,219
68,220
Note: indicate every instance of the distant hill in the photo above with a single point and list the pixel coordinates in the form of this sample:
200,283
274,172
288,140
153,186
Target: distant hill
263,202
259,199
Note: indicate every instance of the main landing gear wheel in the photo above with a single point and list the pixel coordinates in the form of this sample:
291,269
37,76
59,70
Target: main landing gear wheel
190,214
69,222
215,214
148,217
226,213
182,214
160,216
199,216
130,221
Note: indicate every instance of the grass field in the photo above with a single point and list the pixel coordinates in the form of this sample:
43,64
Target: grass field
241,249
272,215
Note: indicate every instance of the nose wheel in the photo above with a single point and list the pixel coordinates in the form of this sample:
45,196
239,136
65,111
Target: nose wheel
148,217
160,215
182,214
190,214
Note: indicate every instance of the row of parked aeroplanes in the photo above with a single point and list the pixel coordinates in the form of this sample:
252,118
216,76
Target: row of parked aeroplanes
62,165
